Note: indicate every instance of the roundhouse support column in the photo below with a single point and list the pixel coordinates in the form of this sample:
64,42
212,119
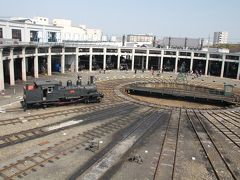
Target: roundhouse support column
24,76
118,59
90,60
206,67
1,72
223,65
147,60
11,68
76,59
49,62
161,63
142,62
104,57
176,62
133,56
191,62
36,63
63,61
238,74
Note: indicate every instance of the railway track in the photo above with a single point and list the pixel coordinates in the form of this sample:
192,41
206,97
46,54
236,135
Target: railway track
167,157
218,159
228,119
46,115
38,132
219,163
143,155
233,115
109,156
228,132
229,151
29,164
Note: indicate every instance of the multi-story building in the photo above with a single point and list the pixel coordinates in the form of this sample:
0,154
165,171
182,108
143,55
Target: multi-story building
77,33
140,38
38,29
25,30
181,43
220,38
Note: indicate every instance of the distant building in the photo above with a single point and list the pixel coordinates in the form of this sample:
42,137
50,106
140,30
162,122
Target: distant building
181,43
220,38
77,33
207,43
218,50
140,38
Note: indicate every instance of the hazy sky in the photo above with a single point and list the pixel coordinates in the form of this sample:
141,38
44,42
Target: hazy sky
178,18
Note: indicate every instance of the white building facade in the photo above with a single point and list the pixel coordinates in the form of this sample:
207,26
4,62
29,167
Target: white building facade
39,30
220,38
28,32
77,33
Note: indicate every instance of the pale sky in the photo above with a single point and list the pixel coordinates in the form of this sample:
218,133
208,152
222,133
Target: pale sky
176,18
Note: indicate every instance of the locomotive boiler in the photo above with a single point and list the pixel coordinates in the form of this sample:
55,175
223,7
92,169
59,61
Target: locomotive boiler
51,92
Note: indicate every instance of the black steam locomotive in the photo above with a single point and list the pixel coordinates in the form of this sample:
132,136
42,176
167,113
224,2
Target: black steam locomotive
44,93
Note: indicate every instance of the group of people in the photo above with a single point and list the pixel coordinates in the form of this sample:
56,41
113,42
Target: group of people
196,73
100,71
152,71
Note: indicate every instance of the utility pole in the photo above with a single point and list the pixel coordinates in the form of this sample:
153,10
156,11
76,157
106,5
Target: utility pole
169,42
185,43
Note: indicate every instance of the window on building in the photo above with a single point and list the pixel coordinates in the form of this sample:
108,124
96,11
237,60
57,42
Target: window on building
16,34
34,36
1,33
52,37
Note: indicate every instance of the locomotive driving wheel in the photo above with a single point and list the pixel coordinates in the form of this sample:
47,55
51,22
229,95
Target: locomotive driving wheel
87,100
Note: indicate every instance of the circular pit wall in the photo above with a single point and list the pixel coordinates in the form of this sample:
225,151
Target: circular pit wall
168,101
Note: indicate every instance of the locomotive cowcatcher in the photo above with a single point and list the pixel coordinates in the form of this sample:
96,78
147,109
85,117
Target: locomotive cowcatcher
43,93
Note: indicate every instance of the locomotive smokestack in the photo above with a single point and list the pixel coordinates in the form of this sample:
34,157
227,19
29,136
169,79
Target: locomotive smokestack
69,83
79,82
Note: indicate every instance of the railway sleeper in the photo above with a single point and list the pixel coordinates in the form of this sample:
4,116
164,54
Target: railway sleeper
98,133
93,134
88,136
110,126
107,129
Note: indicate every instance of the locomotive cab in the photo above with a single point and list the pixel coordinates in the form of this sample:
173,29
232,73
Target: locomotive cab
40,91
